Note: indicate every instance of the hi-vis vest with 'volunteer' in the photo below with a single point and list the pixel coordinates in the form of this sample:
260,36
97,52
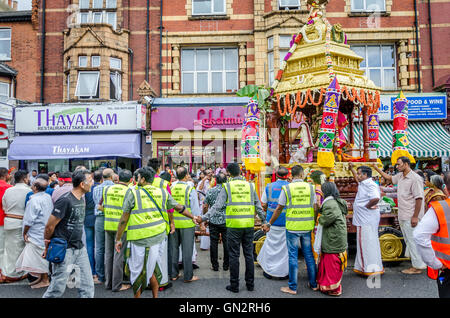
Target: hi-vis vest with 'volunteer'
163,195
240,210
440,241
299,206
181,193
145,219
160,183
113,197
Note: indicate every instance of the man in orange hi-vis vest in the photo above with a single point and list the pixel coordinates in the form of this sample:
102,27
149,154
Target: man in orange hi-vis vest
432,236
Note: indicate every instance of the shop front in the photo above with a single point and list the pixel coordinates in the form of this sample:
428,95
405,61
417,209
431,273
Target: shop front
61,137
197,131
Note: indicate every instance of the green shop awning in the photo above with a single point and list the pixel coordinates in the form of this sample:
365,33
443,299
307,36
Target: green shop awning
426,139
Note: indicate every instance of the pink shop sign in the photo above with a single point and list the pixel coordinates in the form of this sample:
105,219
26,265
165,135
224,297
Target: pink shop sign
170,118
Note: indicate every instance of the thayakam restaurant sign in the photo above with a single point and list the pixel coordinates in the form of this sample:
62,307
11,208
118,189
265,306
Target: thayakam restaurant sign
79,117
214,117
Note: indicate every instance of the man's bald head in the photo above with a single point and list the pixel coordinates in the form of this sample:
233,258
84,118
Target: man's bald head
40,184
108,173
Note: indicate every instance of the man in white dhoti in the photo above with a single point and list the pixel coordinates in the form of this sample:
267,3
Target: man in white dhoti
13,202
37,212
366,218
143,217
273,256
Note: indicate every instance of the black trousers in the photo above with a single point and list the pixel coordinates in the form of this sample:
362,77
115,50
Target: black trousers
236,237
443,283
214,231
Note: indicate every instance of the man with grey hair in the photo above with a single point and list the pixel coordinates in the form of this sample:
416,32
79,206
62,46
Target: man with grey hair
432,236
108,175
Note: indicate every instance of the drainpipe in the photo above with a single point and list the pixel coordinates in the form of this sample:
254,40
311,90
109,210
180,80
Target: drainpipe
130,51
416,23
43,52
160,45
431,43
147,41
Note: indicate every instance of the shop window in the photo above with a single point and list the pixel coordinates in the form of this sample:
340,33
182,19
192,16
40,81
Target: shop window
115,86
289,4
82,61
209,70
4,91
208,7
88,85
5,44
379,64
368,5
95,61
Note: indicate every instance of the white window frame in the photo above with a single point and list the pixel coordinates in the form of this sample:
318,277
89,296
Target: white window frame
365,9
283,6
270,59
79,4
224,71
6,58
79,61
115,59
118,76
95,57
78,85
114,25
212,9
93,7
97,13
8,87
68,85
108,2
88,14
367,68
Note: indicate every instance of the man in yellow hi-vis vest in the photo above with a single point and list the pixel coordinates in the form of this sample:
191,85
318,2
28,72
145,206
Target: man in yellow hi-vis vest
184,234
143,218
299,198
241,201
113,197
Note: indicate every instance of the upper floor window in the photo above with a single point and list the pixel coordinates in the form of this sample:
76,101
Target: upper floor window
379,64
208,7
4,91
98,11
88,85
83,61
5,44
368,5
289,4
283,49
209,70
95,61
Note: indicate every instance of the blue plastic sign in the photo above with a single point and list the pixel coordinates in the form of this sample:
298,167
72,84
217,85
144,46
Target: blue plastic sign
424,106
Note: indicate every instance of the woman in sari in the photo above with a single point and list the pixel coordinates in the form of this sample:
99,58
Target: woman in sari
333,256
434,192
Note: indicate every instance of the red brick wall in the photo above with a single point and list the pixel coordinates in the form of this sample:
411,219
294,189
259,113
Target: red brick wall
23,58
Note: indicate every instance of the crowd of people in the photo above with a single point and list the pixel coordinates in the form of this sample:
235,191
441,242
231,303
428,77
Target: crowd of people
137,229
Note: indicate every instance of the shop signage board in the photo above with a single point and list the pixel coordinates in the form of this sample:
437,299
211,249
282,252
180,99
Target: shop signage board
213,117
425,106
80,118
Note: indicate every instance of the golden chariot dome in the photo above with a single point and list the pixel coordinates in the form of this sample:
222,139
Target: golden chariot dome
318,53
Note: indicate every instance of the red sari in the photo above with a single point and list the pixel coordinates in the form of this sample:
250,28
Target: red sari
330,271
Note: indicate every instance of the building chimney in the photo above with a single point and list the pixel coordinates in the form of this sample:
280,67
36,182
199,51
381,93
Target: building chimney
15,4
10,3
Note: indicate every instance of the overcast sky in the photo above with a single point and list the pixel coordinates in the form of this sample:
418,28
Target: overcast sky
24,5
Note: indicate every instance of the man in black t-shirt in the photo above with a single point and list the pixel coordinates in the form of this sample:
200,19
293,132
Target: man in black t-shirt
66,222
